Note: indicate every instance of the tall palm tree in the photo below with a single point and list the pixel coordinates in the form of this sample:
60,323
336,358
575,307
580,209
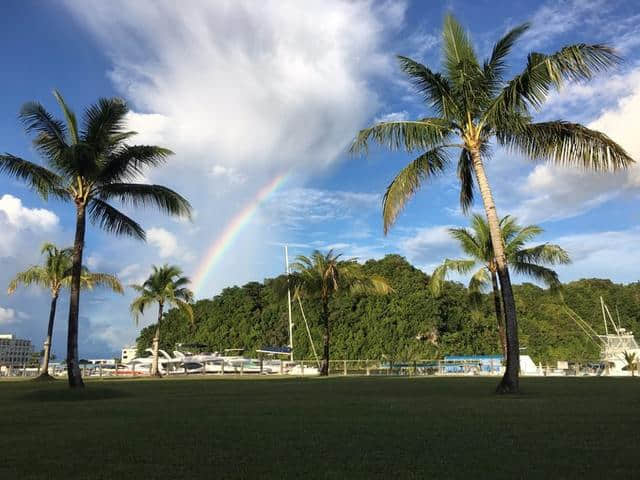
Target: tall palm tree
55,275
523,260
472,104
321,276
166,286
90,165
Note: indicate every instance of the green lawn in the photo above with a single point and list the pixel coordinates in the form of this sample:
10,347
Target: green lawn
320,428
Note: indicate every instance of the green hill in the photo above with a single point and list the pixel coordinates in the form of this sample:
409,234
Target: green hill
408,325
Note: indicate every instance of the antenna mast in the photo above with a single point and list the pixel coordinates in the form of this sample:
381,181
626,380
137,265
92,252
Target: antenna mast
288,272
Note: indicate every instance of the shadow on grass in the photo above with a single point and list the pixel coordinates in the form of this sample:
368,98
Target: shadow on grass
77,395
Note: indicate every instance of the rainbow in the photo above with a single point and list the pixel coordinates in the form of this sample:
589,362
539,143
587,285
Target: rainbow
236,224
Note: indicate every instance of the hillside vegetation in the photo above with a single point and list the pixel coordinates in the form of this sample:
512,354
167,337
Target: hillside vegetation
408,325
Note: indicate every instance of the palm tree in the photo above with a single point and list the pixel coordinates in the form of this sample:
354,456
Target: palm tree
55,275
523,260
473,104
321,276
90,166
166,286
630,358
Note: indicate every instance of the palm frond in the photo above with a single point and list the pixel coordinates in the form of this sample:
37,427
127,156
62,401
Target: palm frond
547,253
568,145
433,86
143,195
72,123
537,272
410,136
35,275
128,162
465,175
102,121
410,178
544,72
51,134
92,280
112,220
439,275
458,51
479,281
495,67
43,181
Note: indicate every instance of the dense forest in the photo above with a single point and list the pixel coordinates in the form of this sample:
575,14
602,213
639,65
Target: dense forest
409,324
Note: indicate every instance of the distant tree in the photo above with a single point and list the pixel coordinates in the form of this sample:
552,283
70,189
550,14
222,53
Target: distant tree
165,286
55,275
323,275
524,260
630,358
473,104
90,165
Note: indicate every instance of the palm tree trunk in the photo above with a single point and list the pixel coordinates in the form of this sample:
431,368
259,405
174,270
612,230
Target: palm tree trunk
510,381
499,313
73,368
155,371
324,367
44,371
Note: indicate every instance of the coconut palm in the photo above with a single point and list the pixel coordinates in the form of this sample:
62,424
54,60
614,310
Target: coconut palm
630,358
476,243
54,275
89,164
473,104
166,286
320,276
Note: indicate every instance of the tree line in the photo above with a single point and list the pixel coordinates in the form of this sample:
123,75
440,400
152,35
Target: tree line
411,324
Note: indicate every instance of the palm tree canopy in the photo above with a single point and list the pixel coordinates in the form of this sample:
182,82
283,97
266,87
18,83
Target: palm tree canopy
476,243
165,285
472,103
89,163
321,275
55,273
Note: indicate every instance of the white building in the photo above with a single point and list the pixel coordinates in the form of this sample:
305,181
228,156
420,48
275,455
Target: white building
129,353
14,352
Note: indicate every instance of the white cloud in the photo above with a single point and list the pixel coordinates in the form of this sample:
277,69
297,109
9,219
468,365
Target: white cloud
21,218
552,193
392,117
608,254
555,18
8,316
245,83
229,173
164,240
20,225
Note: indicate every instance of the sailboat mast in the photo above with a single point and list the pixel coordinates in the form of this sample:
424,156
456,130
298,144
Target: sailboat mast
286,263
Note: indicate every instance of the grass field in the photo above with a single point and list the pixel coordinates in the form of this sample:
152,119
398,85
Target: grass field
320,428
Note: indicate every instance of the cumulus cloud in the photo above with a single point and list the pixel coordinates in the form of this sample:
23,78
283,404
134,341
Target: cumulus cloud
164,240
598,254
21,217
8,316
256,83
552,193
20,225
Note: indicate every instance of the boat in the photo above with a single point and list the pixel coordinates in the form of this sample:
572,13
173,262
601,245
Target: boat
614,344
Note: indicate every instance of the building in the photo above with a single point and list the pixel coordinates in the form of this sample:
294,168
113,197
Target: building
129,353
14,352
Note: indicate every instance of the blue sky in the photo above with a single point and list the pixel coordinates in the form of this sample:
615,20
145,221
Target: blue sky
243,91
